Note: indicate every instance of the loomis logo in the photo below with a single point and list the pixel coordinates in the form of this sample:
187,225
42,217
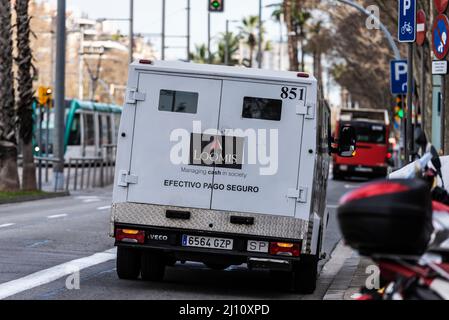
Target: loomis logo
214,150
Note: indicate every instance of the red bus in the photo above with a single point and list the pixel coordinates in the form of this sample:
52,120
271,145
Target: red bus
373,148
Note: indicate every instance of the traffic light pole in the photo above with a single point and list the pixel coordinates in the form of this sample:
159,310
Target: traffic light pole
58,166
131,30
209,55
188,30
260,54
163,32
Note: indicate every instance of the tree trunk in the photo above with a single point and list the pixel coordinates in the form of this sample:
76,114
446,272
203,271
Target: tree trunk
292,36
9,179
303,55
29,169
25,88
251,56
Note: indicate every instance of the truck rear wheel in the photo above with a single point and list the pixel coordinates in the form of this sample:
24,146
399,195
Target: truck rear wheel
128,263
304,276
152,266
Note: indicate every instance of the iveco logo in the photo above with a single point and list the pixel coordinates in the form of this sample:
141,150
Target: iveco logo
158,237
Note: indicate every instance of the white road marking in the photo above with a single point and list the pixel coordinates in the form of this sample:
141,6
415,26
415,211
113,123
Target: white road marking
56,216
104,208
91,200
6,225
86,197
40,278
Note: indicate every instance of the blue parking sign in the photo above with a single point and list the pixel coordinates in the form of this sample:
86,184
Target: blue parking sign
407,21
398,77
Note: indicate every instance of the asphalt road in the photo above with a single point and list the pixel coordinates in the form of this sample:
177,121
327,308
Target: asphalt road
38,239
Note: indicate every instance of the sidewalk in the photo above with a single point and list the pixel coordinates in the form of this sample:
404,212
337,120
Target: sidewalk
351,277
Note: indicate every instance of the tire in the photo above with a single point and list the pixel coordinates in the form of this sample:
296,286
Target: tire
152,266
336,175
304,276
217,266
128,263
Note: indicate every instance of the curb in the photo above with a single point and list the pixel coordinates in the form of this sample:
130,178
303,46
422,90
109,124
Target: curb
344,263
35,197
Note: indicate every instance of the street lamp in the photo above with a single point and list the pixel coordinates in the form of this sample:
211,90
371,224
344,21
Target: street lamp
227,40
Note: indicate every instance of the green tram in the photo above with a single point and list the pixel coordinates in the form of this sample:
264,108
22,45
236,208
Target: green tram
89,127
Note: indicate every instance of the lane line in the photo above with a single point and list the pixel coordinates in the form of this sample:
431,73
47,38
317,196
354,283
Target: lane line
56,216
91,200
104,208
6,225
40,278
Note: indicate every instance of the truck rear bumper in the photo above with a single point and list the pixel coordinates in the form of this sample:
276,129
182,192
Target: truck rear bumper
211,221
170,242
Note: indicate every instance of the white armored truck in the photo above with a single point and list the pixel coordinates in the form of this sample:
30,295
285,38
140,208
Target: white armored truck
225,166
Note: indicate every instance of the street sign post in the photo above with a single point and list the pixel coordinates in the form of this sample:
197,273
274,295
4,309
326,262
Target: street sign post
440,44
441,5
407,21
398,81
421,32
407,33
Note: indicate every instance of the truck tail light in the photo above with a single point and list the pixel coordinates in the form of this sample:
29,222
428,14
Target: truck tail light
389,156
145,61
130,235
285,249
303,75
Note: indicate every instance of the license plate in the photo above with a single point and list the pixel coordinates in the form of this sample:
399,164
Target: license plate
207,242
257,246
361,169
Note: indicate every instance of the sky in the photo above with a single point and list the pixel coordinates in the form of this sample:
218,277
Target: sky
148,18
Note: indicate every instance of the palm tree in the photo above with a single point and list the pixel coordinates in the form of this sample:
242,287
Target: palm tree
301,18
319,43
289,7
25,88
296,19
9,178
248,32
233,42
200,54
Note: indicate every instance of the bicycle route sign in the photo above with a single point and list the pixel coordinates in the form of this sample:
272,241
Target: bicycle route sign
407,21
440,33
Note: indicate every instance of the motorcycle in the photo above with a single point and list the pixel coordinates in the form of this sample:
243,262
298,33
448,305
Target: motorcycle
402,224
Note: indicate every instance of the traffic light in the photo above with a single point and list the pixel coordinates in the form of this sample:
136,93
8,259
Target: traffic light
399,109
216,5
44,95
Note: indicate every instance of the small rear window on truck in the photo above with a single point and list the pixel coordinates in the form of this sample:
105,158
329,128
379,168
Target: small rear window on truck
178,101
262,109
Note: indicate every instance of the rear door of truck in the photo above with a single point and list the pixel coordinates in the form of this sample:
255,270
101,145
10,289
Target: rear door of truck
165,116
271,120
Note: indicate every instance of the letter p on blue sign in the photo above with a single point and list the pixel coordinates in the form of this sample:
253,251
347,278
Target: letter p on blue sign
398,69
